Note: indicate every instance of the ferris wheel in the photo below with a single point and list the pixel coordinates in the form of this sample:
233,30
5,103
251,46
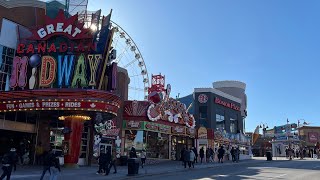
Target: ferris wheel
129,57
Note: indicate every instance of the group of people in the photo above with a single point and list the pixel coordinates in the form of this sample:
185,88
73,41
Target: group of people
50,164
190,156
106,162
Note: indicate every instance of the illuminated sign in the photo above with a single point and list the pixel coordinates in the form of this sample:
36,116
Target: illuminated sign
61,54
57,104
226,104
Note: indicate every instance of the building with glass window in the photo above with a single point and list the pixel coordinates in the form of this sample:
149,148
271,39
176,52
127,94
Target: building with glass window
219,113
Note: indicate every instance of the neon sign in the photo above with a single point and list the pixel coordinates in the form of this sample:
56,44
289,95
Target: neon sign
62,55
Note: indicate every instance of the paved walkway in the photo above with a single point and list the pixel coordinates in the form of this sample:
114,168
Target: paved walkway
34,172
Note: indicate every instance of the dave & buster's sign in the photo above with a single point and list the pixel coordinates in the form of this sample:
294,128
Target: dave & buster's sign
226,104
57,104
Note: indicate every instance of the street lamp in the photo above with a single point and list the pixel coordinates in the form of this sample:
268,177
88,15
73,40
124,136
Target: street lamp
264,127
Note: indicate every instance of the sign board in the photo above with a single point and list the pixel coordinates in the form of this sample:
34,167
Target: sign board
202,133
56,104
313,137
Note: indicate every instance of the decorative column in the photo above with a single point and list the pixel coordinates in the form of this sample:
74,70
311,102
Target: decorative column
73,133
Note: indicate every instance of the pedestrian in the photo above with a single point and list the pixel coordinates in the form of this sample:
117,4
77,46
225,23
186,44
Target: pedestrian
186,158
47,160
211,155
196,154
107,166
54,167
201,154
182,155
113,163
15,158
143,157
233,154
102,161
8,162
191,158
237,154
39,154
221,152
133,153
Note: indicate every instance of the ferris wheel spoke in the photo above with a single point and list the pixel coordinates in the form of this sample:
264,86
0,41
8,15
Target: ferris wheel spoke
122,53
129,64
135,88
115,42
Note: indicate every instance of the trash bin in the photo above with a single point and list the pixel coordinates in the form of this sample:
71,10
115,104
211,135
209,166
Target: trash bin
133,166
269,156
123,160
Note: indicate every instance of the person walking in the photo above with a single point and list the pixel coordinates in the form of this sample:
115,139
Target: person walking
54,167
107,164
191,158
143,157
201,154
46,163
221,152
13,154
102,161
196,154
182,155
233,154
113,163
237,154
186,157
8,161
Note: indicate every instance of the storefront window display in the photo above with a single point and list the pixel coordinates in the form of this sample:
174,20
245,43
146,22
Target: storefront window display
134,138
156,144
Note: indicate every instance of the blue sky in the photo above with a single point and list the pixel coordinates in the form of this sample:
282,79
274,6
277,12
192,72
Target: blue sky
273,46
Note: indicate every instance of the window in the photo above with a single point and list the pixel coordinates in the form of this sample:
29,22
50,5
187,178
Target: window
6,58
203,112
233,123
220,120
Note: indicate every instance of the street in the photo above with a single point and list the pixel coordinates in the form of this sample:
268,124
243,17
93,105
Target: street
296,169
258,168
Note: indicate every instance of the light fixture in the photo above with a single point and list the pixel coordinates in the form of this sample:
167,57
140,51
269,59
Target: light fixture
75,117
93,27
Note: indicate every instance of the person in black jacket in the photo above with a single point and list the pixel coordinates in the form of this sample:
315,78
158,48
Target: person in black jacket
133,153
7,164
54,166
221,152
196,155
46,163
102,162
201,154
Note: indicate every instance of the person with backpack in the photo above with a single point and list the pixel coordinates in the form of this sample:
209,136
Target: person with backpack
7,164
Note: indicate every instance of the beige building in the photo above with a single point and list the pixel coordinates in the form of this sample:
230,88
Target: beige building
310,134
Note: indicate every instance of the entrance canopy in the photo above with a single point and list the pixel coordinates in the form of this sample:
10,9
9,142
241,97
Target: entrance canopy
60,99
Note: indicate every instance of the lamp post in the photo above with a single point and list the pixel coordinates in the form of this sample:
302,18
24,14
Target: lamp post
264,127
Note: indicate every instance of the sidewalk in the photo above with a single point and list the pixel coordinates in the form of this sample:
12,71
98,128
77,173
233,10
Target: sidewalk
34,172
